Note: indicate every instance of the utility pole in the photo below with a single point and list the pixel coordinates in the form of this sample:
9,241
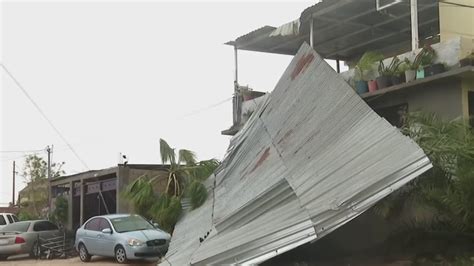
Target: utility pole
13,196
48,150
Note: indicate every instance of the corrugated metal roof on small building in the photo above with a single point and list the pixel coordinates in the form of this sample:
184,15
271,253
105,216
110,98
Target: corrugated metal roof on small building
310,159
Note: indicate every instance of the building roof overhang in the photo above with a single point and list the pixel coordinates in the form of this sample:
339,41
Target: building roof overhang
345,29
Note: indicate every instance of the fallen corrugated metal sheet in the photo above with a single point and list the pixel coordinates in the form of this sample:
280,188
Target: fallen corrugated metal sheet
313,157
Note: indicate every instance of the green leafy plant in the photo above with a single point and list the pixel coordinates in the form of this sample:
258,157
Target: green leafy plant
60,212
25,216
423,58
141,194
441,200
166,211
197,193
365,64
184,176
391,69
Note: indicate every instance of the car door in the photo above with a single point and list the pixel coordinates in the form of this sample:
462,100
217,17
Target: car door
105,241
91,229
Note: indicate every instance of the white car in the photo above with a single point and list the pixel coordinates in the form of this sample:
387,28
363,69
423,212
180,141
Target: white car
7,218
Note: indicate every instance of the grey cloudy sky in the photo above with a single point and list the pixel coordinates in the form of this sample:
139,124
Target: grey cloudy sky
116,77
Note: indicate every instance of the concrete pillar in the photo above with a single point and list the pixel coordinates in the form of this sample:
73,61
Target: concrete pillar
81,204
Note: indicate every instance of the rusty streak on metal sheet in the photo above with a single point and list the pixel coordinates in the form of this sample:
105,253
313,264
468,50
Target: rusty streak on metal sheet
286,136
263,157
302,64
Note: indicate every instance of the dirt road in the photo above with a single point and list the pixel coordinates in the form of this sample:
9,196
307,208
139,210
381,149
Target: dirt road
22,260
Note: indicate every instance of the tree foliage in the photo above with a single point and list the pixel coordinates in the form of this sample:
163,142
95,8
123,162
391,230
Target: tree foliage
184,177
442,199
35,172
60,212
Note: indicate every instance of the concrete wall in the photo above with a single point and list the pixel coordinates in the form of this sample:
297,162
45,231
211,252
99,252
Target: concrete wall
455,20
127,175
443,98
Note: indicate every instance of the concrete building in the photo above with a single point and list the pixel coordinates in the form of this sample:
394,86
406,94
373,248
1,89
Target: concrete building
344,30
98,192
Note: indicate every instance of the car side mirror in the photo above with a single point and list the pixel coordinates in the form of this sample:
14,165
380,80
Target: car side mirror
156,225
107,231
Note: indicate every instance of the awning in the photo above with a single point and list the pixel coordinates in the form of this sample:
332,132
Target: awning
344,29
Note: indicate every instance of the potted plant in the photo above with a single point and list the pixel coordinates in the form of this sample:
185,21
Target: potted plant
427,61
410,72
387,72
362,68
372,84
467,61
399,76
415,68
425,58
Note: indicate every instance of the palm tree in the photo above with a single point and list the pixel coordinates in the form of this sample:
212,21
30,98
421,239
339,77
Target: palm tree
184,177
447,190
178,169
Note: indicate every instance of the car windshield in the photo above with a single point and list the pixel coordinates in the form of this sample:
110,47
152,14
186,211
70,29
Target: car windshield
17,227
130,223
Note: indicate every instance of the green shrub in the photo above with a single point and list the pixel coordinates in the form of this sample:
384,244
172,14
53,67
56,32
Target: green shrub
59,214
166,211
197,193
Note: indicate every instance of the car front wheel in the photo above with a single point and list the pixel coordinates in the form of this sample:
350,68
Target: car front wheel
2,257
83,254
120,255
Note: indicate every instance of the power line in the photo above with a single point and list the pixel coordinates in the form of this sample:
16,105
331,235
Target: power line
21,151
207,108
44,116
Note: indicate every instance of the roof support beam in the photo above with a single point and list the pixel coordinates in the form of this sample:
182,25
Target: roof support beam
376,25
304,36
379,38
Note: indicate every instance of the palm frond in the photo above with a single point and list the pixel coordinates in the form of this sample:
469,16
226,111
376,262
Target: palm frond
167,153
197,193
186,156
141,194
166,211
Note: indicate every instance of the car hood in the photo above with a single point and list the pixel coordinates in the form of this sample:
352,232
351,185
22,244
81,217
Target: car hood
145,235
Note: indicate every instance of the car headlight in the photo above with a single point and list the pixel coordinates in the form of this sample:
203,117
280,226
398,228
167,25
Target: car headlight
134,242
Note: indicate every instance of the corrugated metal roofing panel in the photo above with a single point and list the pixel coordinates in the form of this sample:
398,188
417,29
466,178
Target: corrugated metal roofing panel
313,157
345,29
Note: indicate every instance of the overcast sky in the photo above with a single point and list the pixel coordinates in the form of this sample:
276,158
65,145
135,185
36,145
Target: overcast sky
116,77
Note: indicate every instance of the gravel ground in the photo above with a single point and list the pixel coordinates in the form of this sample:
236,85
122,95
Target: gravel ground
24,260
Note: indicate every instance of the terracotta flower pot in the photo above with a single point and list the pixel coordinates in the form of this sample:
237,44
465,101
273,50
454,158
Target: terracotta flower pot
372,85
